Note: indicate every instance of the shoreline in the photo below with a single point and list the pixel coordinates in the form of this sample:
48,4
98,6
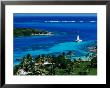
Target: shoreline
48,61
65,63
41,34
53,50
19,32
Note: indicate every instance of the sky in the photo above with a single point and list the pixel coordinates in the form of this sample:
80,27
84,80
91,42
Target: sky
55,14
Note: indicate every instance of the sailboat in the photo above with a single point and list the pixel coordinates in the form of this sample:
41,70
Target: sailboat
78,39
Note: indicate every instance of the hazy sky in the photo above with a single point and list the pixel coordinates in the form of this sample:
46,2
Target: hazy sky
55,14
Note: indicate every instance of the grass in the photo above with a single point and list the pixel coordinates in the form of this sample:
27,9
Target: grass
93,71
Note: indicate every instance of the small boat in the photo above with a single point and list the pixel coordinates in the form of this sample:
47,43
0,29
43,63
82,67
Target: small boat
78,39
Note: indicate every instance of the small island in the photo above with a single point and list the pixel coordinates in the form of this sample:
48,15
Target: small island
18,32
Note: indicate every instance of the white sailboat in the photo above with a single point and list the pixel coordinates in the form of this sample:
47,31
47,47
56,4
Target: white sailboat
78,39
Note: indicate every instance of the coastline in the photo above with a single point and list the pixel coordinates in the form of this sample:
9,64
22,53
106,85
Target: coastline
61,62
58,48
20,32
39,34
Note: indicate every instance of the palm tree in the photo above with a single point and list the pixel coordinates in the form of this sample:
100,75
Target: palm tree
29,60
22,64
16,68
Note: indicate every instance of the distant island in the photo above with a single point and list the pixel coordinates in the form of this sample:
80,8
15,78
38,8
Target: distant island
30,32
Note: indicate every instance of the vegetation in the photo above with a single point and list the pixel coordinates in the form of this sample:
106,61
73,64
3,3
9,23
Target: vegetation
28,32
56,65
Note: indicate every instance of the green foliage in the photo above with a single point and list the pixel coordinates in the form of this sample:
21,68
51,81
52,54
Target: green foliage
16,67
59,65
94,62
27,32
83,73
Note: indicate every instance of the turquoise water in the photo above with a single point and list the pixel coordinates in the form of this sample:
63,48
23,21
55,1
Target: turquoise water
80,49
65,32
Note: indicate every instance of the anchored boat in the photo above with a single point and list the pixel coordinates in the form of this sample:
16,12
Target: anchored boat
78,39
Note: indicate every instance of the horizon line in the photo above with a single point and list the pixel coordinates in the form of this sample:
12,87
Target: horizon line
54,14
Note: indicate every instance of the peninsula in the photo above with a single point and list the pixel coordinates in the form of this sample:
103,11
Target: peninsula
30,32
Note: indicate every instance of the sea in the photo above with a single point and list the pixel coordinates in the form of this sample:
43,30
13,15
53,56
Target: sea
65,30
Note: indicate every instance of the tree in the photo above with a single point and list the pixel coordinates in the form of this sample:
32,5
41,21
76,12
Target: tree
62,62
16,68
94,62
27,63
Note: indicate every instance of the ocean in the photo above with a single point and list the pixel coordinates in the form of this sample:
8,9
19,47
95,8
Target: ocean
65,30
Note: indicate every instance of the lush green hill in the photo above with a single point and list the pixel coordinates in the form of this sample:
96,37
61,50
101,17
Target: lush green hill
29,32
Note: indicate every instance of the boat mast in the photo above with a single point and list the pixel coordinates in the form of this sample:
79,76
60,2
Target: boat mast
78,37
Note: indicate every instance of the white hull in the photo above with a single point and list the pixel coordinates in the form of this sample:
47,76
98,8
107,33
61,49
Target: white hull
78,39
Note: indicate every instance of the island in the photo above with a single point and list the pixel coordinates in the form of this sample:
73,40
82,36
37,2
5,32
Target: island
18,32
